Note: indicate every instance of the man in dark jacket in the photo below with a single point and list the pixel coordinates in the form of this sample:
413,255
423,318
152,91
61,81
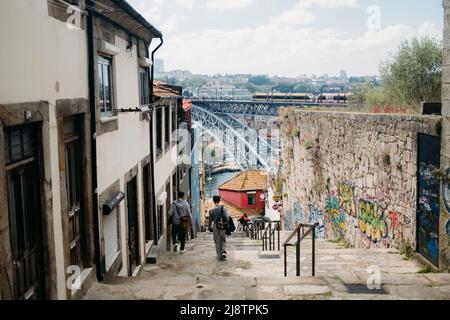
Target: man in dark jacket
178,209
217,216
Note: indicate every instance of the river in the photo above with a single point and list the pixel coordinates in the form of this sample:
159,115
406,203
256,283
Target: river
217,180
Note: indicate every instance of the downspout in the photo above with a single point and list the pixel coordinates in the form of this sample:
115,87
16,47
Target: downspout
92,106
153,69
150,128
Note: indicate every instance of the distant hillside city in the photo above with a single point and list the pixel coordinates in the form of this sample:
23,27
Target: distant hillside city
246,86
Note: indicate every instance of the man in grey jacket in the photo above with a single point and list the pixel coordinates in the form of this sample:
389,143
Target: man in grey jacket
220,237
178,209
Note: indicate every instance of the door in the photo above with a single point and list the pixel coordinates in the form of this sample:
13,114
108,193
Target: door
429,153
75,200
133,226
23,167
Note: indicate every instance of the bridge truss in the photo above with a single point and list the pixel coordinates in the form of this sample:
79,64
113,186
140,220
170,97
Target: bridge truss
245,147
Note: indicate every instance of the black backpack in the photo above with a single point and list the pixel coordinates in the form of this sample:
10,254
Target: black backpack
221,222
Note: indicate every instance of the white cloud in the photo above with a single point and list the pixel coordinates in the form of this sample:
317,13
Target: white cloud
295,16
329,4
188,4
278,49
430,30
301,14
229,4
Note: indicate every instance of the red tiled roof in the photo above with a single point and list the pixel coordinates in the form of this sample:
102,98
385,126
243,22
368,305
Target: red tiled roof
250,180
160,90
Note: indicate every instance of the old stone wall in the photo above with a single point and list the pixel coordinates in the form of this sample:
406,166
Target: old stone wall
354,174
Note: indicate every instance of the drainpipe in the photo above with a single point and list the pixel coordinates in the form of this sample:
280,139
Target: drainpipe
150,128
153,68
92,106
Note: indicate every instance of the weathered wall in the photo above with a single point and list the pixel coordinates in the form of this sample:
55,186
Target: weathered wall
355,174
445,143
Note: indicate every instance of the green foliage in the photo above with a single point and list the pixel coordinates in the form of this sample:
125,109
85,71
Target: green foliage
407,250
260,81
412,75
249,86
426,269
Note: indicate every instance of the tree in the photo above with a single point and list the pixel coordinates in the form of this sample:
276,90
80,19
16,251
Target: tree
414,74
409,77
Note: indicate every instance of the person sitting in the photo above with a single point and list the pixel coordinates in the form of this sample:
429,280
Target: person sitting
243,220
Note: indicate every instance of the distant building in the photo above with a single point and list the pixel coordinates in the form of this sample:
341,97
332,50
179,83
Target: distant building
159,66
343,75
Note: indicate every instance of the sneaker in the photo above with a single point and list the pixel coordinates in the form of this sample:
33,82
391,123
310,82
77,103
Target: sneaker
224,256
182,251
175,248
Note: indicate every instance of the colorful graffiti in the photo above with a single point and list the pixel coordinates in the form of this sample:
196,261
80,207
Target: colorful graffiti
428,210
335,216
446,190
396,225
288,221
371,220
316,216
347,198
297,214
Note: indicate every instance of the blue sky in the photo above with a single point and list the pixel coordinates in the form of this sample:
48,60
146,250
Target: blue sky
287,37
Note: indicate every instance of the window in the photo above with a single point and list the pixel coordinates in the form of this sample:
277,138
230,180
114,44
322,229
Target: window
105,85
251,197
143,82
74,174
159,132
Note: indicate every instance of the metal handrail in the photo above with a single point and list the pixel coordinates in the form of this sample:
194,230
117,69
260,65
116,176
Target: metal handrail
300,237
271,237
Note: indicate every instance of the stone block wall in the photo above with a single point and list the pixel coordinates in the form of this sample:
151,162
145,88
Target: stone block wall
354,174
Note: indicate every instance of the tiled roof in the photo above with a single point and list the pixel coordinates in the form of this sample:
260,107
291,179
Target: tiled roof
162,90
250,180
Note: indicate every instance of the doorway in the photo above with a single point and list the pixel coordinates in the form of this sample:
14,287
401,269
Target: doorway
133,226
24,171
429,155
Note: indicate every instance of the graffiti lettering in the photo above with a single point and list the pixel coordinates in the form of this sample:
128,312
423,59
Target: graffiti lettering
335,216
316,216
347,198
371,221
396,226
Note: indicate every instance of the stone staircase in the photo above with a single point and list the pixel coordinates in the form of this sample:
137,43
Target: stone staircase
249,273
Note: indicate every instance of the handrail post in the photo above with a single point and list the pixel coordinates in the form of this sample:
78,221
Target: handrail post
263,245
270,236
297,254
279,242
285,260
314,252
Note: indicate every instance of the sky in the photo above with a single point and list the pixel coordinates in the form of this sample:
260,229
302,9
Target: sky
287,37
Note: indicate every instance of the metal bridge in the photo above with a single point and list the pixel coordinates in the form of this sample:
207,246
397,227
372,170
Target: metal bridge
242,143
261,108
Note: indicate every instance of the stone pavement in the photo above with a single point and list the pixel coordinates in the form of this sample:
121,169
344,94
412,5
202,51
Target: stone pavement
251,274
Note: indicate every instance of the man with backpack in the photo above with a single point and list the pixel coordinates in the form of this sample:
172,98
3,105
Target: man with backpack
219,224
180,218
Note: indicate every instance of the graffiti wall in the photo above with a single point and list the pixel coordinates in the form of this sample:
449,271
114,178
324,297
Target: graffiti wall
357,176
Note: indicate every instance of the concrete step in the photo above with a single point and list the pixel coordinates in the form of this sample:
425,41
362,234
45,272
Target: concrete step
153,255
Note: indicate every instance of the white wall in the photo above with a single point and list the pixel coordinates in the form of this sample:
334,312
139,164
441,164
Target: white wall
38,54
121,150
274,215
